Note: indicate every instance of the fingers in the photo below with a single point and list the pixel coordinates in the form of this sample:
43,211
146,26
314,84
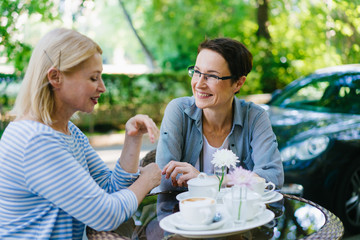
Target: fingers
170,167
185,170
141,124
153,173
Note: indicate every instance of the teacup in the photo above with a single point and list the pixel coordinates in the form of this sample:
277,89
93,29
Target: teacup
243,206
262,187
198,210
203,186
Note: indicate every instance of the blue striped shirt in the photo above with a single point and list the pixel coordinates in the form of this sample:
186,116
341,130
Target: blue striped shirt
53,184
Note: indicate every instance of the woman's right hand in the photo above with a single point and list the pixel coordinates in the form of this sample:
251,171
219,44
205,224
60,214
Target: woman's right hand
152,174
173,168
150,177
141,124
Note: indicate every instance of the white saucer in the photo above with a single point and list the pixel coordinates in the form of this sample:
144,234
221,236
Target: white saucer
269,198
179,223
272,197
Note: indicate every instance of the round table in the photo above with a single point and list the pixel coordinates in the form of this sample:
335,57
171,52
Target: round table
295,218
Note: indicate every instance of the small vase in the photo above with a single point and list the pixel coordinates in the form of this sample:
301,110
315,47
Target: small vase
239,197
220,173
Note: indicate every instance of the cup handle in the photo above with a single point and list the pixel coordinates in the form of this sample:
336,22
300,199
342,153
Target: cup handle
207,213
202,175
272,186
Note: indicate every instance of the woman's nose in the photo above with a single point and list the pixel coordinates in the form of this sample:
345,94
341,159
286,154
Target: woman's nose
101,86
201,80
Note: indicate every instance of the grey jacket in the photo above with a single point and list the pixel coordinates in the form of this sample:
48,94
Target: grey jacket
251,138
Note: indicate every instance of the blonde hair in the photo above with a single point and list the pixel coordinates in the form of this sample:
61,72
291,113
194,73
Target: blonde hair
61,48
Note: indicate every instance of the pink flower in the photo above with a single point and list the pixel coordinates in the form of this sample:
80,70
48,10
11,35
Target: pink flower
242,177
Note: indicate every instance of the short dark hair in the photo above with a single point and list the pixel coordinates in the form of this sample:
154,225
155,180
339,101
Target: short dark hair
237,56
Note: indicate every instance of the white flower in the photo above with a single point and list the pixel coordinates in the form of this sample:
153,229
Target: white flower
223,158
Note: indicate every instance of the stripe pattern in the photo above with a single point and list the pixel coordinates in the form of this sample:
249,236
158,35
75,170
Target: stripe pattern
53,184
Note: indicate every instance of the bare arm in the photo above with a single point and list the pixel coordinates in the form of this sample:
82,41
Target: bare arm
135,128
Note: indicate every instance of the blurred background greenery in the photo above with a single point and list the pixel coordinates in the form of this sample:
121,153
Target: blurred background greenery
148,44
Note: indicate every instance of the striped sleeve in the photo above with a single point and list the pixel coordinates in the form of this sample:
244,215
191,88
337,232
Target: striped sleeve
108,180
52,172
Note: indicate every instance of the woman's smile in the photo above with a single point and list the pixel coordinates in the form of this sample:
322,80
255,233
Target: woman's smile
203,95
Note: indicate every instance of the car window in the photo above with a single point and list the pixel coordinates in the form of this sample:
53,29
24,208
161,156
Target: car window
307,95
327,94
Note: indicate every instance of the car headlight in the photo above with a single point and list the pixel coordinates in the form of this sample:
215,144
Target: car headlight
306,150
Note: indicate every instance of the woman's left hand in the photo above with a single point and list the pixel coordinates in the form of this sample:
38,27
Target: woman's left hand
141,124
187,171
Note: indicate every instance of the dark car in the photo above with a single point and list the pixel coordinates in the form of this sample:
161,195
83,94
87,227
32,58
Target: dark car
317,123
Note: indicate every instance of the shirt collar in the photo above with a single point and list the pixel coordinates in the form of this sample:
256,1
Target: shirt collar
195,113
238,114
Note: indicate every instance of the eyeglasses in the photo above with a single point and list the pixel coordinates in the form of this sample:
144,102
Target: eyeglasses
210,78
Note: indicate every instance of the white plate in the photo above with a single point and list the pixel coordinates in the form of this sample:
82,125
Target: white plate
178,222
269,198
229,228
272,197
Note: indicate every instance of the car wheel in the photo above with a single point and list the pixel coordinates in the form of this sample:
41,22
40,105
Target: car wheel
348,199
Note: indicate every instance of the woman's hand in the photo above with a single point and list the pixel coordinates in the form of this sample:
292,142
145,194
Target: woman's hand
150,177
141,124
173,168
135,128
152,174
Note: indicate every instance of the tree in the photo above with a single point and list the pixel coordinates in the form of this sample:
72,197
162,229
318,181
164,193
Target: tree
287,38
12,14
263,19
149,57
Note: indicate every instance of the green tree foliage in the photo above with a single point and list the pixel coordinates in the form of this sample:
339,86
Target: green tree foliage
288,38
11,26
304,35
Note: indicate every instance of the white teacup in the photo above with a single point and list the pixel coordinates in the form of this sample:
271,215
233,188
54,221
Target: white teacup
243,207
262,187
198,210
203,186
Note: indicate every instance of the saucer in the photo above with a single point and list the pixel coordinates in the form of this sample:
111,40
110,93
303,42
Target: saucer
272,197
179,223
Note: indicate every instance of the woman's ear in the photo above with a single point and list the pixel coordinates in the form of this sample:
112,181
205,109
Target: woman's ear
239,83
53,76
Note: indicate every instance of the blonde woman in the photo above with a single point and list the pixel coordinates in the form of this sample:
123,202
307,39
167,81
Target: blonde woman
52,182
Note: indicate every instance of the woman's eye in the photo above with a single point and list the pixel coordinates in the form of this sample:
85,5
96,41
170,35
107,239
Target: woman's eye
212,76
93,79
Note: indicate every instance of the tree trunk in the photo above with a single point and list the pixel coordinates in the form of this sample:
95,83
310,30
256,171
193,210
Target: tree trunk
149,57
263,19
